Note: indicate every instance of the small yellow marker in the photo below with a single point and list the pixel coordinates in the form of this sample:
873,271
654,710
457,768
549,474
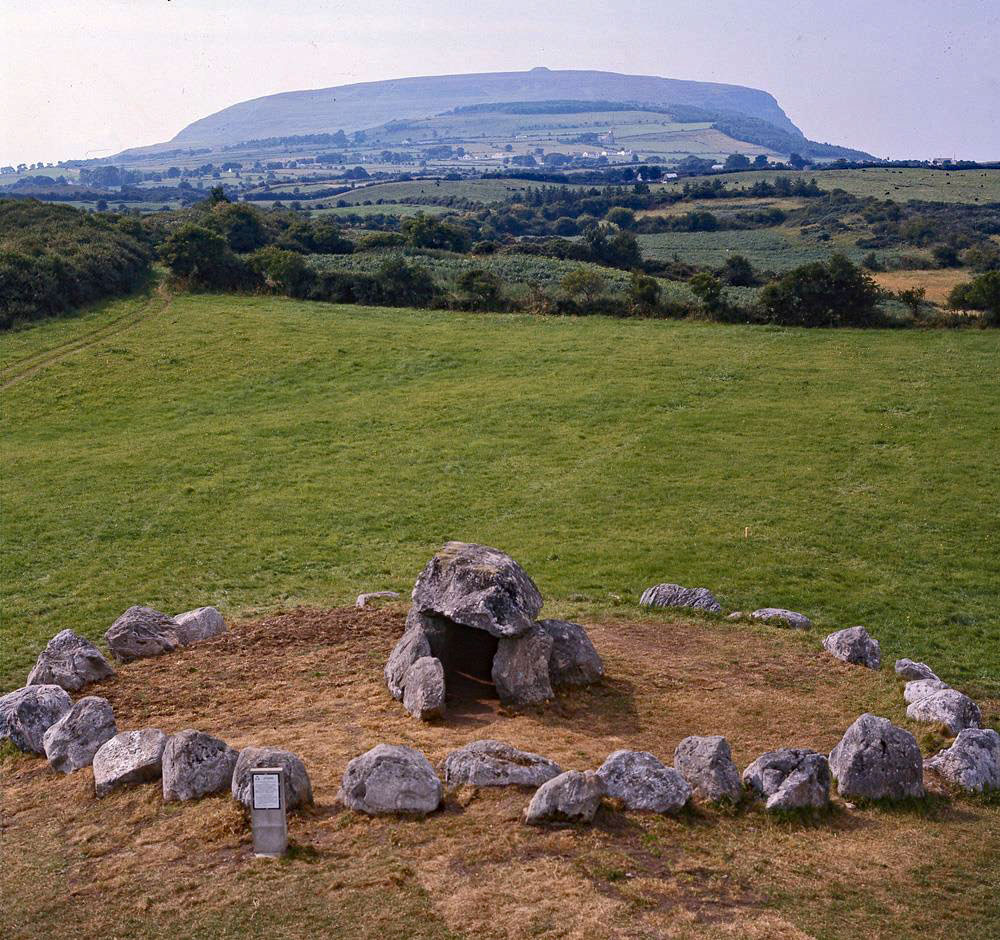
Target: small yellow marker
746,532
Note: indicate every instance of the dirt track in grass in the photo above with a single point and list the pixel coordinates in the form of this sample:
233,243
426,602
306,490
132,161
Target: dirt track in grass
311,681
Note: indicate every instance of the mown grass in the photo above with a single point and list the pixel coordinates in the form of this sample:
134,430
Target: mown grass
257,452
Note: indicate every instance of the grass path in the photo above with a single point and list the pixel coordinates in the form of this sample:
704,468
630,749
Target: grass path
257,452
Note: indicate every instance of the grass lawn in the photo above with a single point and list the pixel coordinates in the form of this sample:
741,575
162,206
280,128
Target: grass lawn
257,452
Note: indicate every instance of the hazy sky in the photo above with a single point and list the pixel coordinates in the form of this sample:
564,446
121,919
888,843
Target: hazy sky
898,78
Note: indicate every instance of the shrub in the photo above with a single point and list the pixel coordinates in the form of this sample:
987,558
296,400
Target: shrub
204,259
381,240
239,224
283,271
981,293
423,231
832,293
479,290
584,283
738,272
404,285
643,294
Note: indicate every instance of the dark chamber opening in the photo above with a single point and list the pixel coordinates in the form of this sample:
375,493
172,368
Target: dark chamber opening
468,662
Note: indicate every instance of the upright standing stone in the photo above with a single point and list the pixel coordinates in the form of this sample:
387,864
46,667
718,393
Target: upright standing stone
141,632
71,662
875,760
521,668
707,764
71,743
26,714
424,691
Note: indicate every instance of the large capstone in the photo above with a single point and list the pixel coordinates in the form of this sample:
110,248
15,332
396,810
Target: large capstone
199,624
71,662
573,796
908,669
573,661
71,743
673,595
478,586
497,764
781,616
948,707
295,780
875,760
423,689
643,782
706,762
391,779
141,632
196,764
790,778
129,759
26,714
972,762
521,668
854,645
922,688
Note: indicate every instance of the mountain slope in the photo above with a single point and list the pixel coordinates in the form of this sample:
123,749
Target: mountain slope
355,107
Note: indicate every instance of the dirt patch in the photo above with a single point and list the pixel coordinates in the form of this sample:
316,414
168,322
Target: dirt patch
937,282
311,681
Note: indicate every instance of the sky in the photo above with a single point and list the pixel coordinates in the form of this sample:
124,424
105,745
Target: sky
898,78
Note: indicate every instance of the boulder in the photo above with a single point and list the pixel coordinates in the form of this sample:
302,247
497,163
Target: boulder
948,707
478,586
71,743
787,617
875,760
199,624
673,595
908,669
854,645
140,632
128,759
921,688
706,763
295,780
972,762
573,661
790,778
521,668
391,779
196,764
26,714
71,662
423,689
412,645
642,782
365,600
573,796
497,764
737,615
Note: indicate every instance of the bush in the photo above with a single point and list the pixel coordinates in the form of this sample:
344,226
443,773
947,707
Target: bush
479,290
239,224
584,284
204,259
423,231
283,271
981,293
738,272
404,285
381,240
832,293
643,294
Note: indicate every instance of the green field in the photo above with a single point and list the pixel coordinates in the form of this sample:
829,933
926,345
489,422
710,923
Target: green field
257,452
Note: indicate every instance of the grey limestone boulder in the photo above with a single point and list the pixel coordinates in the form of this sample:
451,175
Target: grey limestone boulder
391,779
199,624
908,669
521,668
789,618
497,764
71,662
790,778
875,760
412,645
424,689
478,586
295,780
573,796
26,714
972,762
71,743
196,764
573,661
642,782
129,759
706,763
673,595
141,632
365,600
948,707
917,689
854,645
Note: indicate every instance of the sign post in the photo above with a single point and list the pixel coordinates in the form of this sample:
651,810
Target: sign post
270,829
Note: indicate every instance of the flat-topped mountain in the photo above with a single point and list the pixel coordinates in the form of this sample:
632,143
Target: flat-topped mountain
368,104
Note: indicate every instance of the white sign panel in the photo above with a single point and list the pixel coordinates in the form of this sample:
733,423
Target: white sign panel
266,793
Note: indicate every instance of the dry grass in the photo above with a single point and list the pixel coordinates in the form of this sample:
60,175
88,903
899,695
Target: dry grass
937,282
310,681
